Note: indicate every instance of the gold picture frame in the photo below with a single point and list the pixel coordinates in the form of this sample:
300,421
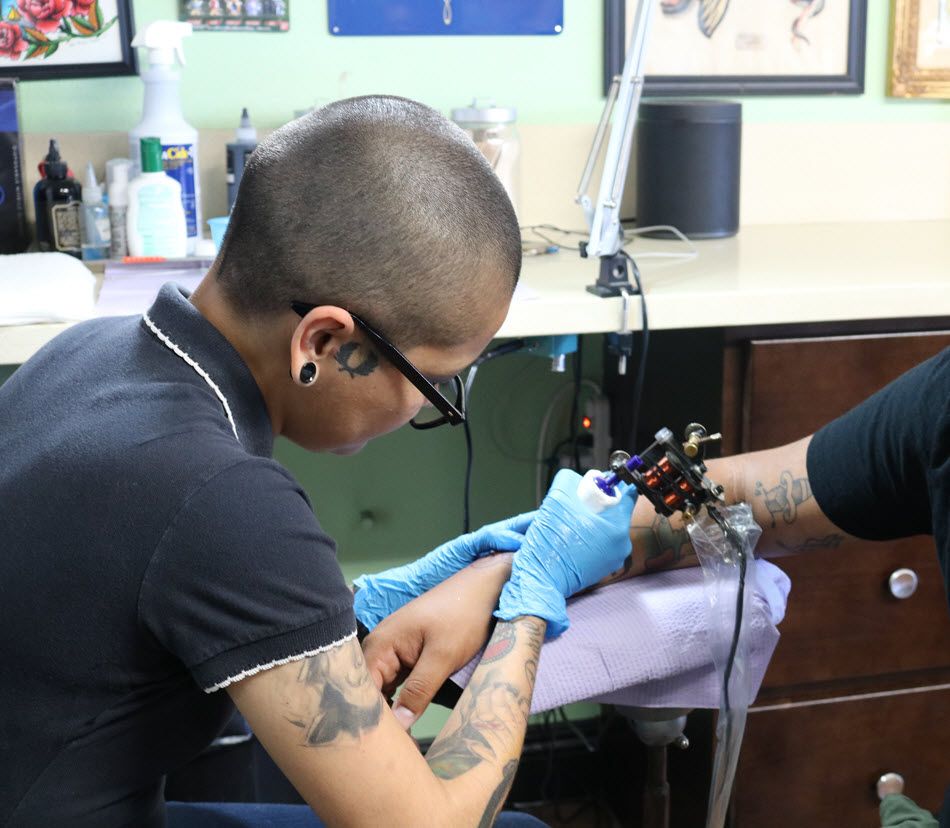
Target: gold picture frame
920,49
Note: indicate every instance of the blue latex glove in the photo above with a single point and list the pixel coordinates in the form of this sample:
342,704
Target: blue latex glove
566,549
382,594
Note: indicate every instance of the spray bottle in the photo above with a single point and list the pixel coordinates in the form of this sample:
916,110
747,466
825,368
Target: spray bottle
162,116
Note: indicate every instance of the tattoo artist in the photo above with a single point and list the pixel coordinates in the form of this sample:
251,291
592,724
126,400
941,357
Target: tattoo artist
159,567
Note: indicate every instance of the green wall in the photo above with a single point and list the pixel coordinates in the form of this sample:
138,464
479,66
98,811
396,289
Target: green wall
554,79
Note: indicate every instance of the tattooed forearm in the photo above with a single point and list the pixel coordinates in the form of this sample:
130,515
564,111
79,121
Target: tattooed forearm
490,708
498,797
785,498
334,696
832,541
491,716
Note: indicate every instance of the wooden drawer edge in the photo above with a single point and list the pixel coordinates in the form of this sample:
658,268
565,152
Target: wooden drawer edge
880,694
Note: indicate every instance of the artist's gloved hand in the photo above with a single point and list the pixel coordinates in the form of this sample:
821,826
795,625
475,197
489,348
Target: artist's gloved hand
382,594
566,549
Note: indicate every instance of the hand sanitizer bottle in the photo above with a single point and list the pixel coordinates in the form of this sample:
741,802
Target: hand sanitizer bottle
162,116
155,222
95,219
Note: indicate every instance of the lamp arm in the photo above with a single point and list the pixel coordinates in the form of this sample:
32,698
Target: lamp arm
606,235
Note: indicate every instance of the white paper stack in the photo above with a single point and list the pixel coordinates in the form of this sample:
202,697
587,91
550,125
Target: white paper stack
45,287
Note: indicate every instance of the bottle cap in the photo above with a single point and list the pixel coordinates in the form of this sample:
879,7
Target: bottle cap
53,163
119,186
484,111
111,165
151,155
91,191
245,133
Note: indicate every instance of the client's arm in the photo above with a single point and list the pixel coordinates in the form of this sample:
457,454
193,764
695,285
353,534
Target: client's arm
773,482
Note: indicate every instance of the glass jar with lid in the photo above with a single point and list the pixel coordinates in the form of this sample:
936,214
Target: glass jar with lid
494,132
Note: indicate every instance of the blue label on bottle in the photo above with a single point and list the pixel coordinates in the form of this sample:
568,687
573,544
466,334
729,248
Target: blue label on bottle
178,160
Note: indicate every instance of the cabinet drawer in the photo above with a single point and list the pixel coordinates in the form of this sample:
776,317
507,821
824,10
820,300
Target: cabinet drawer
817,763
794,386
843,622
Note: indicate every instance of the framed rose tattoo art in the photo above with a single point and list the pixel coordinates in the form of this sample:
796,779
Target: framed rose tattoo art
65,38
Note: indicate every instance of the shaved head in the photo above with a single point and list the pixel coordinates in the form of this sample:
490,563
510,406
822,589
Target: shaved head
378,205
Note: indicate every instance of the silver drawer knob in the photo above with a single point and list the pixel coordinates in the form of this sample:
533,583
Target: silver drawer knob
903,583
890,783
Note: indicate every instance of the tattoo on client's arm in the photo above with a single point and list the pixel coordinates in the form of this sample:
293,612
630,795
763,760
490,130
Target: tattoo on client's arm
661,544
785,498
832,541
340,699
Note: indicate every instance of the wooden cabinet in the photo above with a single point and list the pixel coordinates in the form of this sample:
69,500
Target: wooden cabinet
860,681
814,762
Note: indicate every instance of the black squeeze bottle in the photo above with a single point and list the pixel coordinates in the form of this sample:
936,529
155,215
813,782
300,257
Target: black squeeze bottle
57,198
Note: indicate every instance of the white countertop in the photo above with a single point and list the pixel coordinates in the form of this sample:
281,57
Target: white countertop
767,274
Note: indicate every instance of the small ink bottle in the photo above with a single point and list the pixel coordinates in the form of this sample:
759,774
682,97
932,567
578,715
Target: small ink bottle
57,198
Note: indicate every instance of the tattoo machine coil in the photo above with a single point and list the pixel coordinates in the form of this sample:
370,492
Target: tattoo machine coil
672,476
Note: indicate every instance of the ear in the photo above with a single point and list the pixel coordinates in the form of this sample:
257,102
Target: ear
317,337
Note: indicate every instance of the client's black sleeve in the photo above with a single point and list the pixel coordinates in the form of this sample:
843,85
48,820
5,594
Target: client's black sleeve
883,469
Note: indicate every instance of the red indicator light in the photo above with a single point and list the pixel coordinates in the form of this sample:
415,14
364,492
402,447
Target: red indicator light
587,422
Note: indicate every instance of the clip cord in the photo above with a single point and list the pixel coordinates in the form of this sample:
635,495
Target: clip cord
723,779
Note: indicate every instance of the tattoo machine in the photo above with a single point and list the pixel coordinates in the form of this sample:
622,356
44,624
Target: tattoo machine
672,476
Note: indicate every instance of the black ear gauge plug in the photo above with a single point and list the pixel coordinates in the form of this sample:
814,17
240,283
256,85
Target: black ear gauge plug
308,373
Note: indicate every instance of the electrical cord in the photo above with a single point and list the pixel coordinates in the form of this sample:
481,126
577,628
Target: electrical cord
736,542
575,401
690,253
505,348
467,497
644,347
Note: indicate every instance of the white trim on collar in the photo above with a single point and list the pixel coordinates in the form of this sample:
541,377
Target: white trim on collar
164,339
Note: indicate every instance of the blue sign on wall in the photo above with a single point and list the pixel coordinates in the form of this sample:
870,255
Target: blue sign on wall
445,17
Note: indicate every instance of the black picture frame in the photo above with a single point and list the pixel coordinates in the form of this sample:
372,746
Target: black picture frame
850,83
126,65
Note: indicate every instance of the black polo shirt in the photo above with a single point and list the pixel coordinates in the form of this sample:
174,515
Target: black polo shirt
151,553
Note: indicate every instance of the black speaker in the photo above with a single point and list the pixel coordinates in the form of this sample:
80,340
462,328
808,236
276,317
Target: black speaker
688,166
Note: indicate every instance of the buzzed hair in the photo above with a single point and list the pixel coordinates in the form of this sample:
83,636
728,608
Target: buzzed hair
379,205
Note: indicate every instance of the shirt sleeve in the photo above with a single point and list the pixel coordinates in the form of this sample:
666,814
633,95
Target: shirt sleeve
245,579
871,469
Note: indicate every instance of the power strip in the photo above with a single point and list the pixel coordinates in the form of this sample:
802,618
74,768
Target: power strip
593,439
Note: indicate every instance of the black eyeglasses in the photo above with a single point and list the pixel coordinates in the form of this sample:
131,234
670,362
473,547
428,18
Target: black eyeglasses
451,413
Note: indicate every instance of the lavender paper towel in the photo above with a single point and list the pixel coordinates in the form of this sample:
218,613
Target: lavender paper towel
643,642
